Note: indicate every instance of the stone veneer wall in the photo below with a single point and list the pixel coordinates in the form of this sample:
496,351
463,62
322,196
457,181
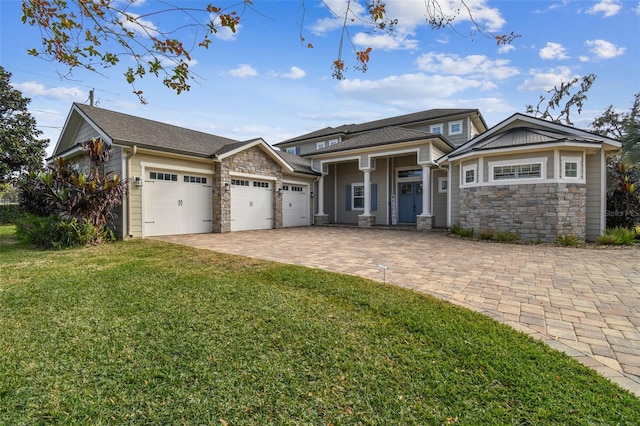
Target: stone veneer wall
535,212
251,161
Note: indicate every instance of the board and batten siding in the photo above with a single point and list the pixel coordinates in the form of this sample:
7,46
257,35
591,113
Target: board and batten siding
594,207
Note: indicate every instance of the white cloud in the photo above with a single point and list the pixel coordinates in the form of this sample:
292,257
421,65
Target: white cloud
506,48
545,80
243,70
224,33
295,73
34,89
553,51
607,7
392,41
472,65
407,88
603,49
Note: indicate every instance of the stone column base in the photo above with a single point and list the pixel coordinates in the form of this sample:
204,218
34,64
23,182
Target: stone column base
321,219
366,221
424,223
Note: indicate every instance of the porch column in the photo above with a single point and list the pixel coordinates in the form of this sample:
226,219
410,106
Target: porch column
425,220
321,195
320,218
367,192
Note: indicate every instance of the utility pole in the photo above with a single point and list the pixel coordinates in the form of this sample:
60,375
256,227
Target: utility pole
91,97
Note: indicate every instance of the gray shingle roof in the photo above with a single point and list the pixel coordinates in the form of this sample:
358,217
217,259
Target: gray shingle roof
521,136
384,136
401,120
299,164
129,130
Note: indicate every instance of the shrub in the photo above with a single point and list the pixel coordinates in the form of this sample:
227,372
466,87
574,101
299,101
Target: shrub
619,235
456,229
53,232
9,213
568,240
486,235
506,237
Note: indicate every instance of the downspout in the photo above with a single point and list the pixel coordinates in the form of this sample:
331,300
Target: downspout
134,150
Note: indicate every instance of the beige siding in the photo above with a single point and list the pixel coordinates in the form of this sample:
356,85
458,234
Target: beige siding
594,195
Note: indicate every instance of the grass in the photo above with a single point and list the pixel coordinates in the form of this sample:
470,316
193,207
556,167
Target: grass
152,333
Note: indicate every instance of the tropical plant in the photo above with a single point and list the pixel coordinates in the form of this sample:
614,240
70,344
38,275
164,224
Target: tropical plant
568,240
618,236
623,194
66,192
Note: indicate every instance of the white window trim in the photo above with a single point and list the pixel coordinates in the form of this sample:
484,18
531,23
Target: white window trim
333,142
571,159
440,181
319,145
291,150
537,160
441,125
451,124
353,192
463,172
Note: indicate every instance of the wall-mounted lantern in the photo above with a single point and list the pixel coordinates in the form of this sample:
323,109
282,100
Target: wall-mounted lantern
137,181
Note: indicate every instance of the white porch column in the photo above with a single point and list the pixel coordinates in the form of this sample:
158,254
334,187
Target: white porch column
321,195
426,190
367,192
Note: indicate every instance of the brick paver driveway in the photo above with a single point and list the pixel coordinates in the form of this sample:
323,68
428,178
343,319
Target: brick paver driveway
585,302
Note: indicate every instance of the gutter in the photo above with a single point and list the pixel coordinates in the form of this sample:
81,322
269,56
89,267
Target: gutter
134,150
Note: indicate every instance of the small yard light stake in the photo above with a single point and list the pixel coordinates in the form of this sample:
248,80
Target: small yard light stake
384,273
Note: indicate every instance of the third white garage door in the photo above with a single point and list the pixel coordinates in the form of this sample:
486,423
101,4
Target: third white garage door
295,205
251,204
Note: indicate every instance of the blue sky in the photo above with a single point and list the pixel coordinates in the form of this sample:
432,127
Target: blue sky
262,81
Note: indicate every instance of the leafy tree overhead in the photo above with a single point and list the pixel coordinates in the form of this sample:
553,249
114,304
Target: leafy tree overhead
20,149
93,34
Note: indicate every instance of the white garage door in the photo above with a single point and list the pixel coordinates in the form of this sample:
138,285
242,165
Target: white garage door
295,205
251,204
176,203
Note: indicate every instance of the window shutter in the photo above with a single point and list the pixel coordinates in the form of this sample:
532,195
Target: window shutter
348,200
374,197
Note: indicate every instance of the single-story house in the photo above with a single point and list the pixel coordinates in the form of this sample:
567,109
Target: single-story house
430,169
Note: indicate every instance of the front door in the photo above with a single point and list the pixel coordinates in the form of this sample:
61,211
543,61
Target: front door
409,201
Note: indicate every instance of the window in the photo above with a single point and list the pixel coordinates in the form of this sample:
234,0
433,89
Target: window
443,184
525,169
296,188
455,128
571,168
333,142
239,182
357,196
320,145
518,171
257,184
195,179
293,150
412,173
436,128
469,174
163,176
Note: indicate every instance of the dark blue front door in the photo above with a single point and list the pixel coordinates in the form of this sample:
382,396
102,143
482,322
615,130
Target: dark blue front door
409,201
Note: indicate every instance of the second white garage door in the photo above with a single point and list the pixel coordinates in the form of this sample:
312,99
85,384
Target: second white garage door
251,204
295,205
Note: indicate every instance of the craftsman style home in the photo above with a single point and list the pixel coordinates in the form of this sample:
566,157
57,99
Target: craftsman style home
429,169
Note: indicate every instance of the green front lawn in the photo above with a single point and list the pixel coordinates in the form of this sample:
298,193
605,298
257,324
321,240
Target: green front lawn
152,333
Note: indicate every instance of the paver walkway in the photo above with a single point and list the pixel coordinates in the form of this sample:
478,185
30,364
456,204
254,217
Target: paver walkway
585,302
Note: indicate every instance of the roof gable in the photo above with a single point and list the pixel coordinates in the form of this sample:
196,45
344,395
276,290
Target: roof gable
521,130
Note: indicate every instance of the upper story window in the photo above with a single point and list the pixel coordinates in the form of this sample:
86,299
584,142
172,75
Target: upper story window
293,150
320,145
455,128
436,128
333,142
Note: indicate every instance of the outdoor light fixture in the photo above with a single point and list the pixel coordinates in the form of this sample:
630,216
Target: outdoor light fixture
226,186
137,181
384,272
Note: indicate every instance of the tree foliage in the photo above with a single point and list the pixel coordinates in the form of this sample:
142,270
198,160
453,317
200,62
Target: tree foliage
93,34
20,149
624,126
65,191
556,107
